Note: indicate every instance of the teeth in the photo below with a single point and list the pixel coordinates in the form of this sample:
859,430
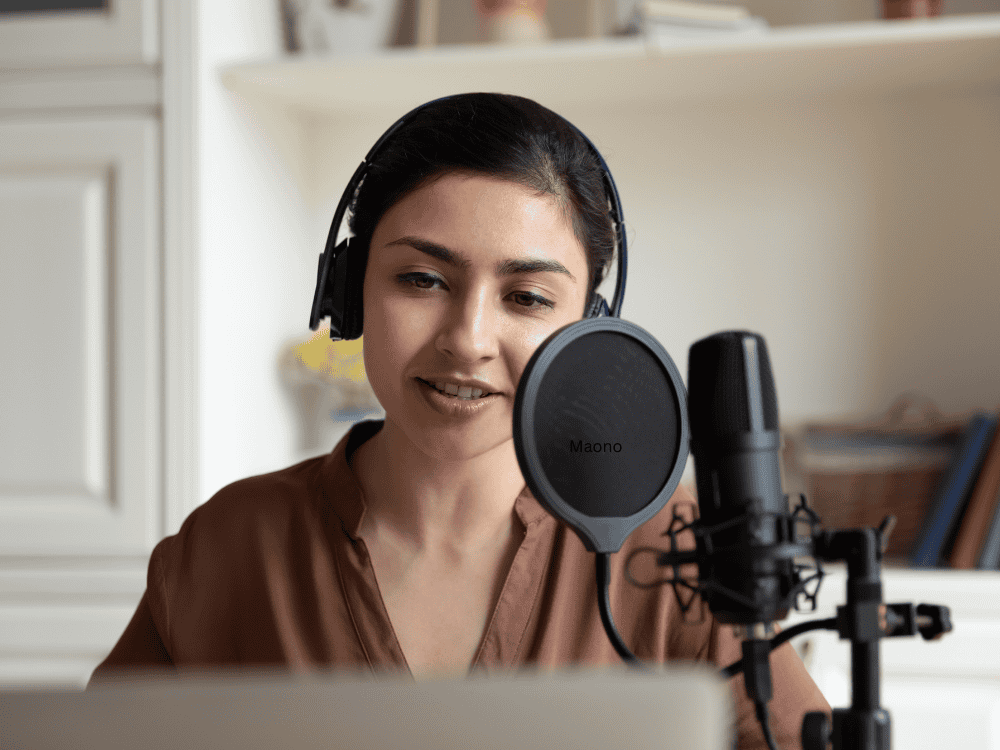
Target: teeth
464,392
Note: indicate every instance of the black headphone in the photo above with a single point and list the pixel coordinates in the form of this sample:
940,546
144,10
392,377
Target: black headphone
341,274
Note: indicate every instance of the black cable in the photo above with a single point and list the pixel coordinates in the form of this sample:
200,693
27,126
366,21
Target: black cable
604,604
761,709
785,635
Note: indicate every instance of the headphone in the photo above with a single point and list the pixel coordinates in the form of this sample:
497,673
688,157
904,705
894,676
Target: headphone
341,272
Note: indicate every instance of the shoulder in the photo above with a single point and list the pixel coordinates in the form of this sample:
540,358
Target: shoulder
264,498
235,517
226,553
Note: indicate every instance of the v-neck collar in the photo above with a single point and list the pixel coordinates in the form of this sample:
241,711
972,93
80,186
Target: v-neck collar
500,647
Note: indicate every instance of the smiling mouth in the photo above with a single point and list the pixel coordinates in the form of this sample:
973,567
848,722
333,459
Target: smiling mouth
452,395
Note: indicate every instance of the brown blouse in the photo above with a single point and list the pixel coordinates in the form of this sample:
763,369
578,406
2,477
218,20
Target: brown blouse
270,572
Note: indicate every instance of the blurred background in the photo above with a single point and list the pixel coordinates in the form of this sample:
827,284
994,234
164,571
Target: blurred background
813,170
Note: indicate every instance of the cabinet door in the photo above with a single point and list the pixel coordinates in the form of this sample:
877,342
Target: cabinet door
80,438
120,32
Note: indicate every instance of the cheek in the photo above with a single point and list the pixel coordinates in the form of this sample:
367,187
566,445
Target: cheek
382,308
532,340
393,335
403,324
527,348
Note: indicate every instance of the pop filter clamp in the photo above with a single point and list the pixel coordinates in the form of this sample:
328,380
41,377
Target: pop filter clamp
864,620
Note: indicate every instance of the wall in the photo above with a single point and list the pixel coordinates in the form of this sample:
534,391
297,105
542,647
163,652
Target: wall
254,275
857,237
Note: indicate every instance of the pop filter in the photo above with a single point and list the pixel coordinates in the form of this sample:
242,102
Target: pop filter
601,428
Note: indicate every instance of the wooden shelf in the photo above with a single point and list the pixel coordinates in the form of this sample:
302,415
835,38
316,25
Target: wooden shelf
880,58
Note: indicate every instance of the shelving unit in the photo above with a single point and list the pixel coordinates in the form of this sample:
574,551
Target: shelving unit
857,59
822,152
834,187
302,101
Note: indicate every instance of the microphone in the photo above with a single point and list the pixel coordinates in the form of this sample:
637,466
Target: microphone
735,438
746,566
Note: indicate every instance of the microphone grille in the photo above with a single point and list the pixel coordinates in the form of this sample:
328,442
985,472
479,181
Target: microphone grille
730,385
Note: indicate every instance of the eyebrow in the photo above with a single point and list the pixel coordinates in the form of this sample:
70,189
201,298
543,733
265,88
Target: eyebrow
507,267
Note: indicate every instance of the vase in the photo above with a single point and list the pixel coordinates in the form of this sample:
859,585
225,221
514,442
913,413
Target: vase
512,21
348,27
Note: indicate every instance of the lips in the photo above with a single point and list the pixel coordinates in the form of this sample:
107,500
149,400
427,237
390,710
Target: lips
484,394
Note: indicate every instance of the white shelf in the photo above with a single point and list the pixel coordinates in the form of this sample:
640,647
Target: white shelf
880,58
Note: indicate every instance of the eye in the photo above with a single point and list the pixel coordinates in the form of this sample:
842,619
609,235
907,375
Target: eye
413,279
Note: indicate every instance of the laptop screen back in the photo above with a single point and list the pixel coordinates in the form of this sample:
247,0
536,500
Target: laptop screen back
612,709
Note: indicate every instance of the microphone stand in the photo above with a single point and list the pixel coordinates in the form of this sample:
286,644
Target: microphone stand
864,620
865,725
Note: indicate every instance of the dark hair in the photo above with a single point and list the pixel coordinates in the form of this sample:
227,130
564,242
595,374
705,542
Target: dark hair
500,135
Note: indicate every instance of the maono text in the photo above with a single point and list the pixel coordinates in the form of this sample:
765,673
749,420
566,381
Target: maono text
581,447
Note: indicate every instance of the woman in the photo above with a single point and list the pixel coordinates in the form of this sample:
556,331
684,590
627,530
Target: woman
416,545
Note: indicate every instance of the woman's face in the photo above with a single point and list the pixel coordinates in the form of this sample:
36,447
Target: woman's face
439,306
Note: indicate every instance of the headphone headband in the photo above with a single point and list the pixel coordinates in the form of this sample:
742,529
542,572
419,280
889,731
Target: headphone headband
340,273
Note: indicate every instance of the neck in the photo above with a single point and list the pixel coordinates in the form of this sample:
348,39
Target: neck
463,507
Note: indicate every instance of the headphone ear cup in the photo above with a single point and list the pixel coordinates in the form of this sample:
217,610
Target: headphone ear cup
354,308
332,288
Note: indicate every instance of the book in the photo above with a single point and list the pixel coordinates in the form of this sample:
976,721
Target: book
979,512
989,553
668,32
670,20
952,494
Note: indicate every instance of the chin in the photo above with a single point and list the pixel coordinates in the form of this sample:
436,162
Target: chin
458,441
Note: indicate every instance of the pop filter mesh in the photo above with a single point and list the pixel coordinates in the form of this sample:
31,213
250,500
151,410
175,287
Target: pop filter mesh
612,439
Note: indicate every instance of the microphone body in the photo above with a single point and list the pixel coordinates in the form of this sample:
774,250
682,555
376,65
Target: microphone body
746,563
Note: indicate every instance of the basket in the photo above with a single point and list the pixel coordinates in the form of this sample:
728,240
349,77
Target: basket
855,474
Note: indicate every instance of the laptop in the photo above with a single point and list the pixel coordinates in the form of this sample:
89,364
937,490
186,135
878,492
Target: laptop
673,708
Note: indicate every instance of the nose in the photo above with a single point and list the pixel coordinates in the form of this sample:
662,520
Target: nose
470,331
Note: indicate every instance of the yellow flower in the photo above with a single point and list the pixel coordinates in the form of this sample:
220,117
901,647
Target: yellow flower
333,360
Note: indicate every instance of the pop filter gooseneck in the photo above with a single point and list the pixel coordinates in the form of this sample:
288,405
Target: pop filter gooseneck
601,435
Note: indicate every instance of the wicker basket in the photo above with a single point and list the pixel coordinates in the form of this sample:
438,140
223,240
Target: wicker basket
854,475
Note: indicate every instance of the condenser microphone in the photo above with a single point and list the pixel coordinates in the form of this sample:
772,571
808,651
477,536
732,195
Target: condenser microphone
747,568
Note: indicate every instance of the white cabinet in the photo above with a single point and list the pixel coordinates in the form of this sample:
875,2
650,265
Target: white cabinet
80,301
89,354
81,445
124,32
